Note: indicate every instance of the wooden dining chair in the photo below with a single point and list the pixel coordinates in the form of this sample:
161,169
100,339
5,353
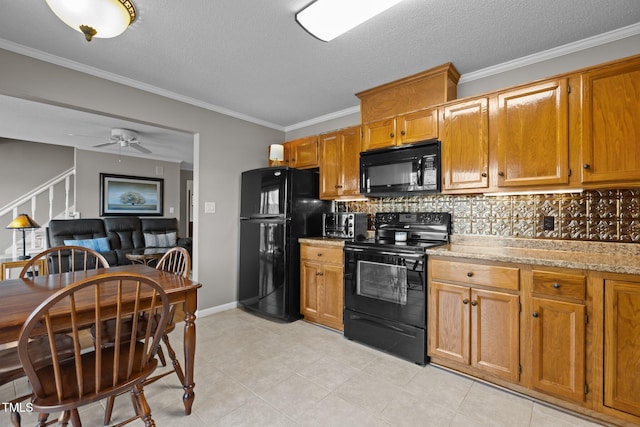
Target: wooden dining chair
104,371
60,259
177,261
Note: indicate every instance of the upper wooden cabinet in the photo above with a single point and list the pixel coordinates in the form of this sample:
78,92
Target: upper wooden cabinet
465,145
533,136
340,163
301,153
416,92
404,129
611,123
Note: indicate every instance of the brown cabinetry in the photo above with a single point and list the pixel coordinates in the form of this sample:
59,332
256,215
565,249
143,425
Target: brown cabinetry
611,124
474,317
622,346
558,327
301,153
321,284
533,138
465,145
404,129
340,163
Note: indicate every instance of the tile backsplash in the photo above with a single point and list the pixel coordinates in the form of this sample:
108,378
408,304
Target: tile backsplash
600,215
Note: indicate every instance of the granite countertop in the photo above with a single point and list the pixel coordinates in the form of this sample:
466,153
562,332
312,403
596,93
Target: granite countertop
598,256
325,241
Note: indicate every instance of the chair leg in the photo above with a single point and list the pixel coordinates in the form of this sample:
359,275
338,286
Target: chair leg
42,419
160,354
15,419
75,418
142,406
63,420
108,410
174,359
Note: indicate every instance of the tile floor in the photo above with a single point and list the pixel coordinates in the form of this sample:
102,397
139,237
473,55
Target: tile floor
255,372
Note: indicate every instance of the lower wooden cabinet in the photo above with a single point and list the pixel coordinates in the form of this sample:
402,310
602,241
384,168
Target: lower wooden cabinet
622,346
558,327
321,284
473,325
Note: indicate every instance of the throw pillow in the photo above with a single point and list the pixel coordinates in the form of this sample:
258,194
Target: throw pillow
164,240
100,244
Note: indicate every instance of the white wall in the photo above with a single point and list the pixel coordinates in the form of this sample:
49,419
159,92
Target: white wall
26,165
224,147
89,165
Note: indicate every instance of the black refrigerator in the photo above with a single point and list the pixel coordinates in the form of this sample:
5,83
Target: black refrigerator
278,206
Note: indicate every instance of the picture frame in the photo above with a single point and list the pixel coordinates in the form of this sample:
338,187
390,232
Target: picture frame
131,195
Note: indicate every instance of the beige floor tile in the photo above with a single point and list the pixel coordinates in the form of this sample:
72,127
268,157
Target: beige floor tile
392,369
333,411
255,412
442,387
408,410
294,396
368,392
491,406
545,416
328,372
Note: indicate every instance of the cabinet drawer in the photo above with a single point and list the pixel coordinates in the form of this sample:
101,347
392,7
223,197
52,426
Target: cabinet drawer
559,284
321,253
476,274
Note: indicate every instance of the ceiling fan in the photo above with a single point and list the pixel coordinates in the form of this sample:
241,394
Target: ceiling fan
125,138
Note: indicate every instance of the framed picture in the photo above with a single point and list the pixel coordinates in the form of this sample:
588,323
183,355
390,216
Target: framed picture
131,195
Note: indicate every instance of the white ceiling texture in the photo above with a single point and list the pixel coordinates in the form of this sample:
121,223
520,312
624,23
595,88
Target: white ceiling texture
250,59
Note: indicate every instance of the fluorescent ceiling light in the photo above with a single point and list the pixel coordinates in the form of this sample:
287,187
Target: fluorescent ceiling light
327,19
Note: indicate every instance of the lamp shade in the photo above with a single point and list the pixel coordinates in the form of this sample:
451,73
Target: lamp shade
22,222
276,152
95,18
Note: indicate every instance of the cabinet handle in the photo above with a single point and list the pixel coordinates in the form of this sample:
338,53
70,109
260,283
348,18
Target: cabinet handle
586,166
474,303
338,186
484,174
392,134
556,285
500,173
535,314
465,301
319,273
403,133
319,253
470,274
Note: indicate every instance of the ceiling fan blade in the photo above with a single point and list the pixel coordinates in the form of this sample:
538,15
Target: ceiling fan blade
105,144
140,148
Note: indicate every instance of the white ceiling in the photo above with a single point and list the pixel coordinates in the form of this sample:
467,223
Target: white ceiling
250,59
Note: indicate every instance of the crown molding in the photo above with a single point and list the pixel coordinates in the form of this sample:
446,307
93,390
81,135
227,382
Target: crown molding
600,39
72,65
322,119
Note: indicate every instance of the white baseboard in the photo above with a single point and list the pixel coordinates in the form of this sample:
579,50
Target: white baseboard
217,309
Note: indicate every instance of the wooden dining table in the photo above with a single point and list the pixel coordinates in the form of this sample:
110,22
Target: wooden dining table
20,297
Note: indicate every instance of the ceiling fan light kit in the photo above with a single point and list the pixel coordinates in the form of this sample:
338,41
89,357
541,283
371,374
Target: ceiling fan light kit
124,138
95,18
327,19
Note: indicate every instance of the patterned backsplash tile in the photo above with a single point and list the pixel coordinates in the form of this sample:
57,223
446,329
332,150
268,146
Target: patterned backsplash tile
600,215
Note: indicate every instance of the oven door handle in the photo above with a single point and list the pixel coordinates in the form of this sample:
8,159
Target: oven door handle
374,250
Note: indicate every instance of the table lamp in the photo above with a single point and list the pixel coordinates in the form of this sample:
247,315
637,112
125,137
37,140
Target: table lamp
23,222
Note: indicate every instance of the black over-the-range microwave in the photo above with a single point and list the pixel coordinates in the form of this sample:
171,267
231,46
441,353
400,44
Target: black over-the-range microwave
401,170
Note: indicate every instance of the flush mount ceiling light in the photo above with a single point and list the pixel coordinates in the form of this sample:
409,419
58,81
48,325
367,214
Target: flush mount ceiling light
327,19
95,18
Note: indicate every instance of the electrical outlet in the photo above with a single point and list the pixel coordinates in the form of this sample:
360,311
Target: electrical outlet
549,223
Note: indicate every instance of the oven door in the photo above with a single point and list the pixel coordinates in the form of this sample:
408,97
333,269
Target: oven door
386,284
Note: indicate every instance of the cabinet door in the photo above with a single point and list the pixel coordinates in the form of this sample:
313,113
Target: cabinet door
379,134
465,145
533,138
449,333
310,274
418,126
304,153
350,162
329,165
558,348
611,124
331,296
495,333
622,346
